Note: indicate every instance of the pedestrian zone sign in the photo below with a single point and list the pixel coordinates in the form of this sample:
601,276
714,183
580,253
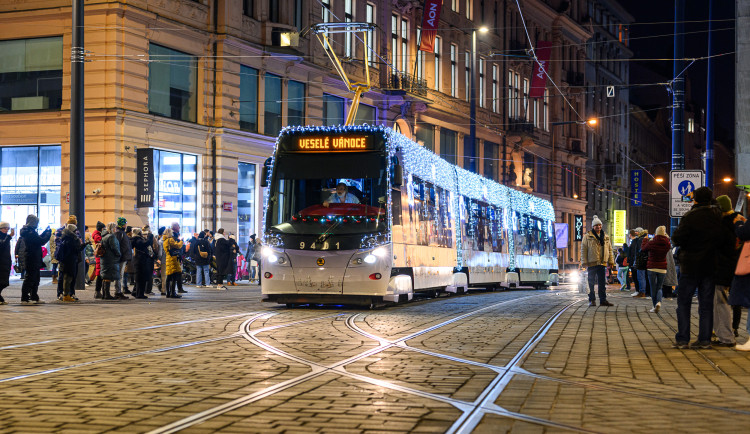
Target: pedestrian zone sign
681,184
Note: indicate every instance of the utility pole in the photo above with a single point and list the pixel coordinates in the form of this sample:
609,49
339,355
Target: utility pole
678,95
742,101
77,179
710,101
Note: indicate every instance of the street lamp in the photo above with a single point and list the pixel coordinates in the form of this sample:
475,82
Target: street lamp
727,179
659,179
473,101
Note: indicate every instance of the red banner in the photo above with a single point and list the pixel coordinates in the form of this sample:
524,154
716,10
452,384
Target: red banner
539,79
430,21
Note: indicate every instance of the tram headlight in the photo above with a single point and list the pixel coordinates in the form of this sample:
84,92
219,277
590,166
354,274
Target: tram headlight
272,258
380,252
370,259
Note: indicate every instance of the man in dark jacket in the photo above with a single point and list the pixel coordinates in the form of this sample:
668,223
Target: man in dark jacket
222,252
728,255
126,255
69,257
6,262
632,252
201,252
33,258
698,236
21,256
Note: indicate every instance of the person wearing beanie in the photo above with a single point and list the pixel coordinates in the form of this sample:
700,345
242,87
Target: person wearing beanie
596,255
72,220
699,237
54,243
33,242
126,255
638,266
6,261
726,317
141,261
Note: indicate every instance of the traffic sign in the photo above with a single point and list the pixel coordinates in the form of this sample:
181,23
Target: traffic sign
681,184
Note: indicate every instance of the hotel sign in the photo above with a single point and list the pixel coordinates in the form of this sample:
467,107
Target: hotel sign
145,178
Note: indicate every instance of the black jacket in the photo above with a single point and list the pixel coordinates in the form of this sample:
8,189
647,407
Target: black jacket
204,246
728,253
141,258
126,248
635,246
70,247
33,243
739,294
223,255
698,236
6,261
21,251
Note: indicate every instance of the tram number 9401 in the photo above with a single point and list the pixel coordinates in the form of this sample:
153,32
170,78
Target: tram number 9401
313,246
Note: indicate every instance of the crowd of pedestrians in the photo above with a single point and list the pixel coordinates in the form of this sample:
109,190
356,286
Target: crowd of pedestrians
703,259
116,254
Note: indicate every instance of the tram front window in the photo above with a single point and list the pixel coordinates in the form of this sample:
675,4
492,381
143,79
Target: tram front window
300,198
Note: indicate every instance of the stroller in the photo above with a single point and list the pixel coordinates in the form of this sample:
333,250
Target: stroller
188,270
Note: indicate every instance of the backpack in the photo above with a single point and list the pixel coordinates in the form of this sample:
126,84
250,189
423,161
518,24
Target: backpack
641,260
62,250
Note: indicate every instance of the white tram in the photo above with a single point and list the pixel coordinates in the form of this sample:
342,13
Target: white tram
421,224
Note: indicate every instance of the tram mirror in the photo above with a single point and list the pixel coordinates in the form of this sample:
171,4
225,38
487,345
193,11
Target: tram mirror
398,175
264,177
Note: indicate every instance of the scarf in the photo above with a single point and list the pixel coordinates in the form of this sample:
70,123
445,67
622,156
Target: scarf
599,238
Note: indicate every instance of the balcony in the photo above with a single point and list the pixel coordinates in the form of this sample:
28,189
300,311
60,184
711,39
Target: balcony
520,126
401,83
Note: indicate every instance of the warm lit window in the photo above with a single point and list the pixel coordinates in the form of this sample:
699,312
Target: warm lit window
467,75
526,107
545,111
437,63
454,5
495,105
481,82
454,71
691,125
469,9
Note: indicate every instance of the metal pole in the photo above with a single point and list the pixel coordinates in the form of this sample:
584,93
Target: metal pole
77,178
710,102
678,95
470,154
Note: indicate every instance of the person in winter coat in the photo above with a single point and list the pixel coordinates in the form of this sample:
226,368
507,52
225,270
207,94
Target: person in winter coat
6,262
201,252
32,258
739,294
728,254
173,253
20,252
146,232
69,257
670,280
126,255
96,237
622,267
110,262
222,253
250,257
54,245
142,262
53,241
234,250
698,236
596,254
632,253
658,248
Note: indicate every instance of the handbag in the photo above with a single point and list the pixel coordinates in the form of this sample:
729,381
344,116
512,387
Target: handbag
202,253
99,250
743,264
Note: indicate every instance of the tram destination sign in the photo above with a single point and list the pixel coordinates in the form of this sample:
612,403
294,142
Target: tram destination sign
331,143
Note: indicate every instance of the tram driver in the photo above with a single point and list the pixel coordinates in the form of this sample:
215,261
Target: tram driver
341,195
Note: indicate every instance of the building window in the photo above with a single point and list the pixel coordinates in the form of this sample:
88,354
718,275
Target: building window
248,8
526,107
514,95
426,136
176,178
394,42
272,112
528,170
542,176
333,110
366,114
298,14
273,11
420,58
448,140
437,63
326,17
31,74
467,75
248,99
30,184
691,125
495,89
469,9
454,71
490,160
246,207
296,103
404,45
172,78
454,5
481,82
371,48
349,17
545,111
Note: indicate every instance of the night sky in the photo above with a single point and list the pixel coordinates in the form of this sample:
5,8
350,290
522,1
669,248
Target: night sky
696,45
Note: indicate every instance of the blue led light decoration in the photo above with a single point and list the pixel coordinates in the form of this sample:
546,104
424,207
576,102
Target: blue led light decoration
429,167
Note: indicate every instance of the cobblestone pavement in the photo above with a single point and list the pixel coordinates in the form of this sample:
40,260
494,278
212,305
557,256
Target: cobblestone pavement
512,361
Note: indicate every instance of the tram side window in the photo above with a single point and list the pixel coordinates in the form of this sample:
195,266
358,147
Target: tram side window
445,223
418,212
430,215
497,239
396,206
471,224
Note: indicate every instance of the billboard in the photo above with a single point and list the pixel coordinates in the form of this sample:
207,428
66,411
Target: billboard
619,228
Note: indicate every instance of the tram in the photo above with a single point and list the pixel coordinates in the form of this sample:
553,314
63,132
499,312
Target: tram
412,222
